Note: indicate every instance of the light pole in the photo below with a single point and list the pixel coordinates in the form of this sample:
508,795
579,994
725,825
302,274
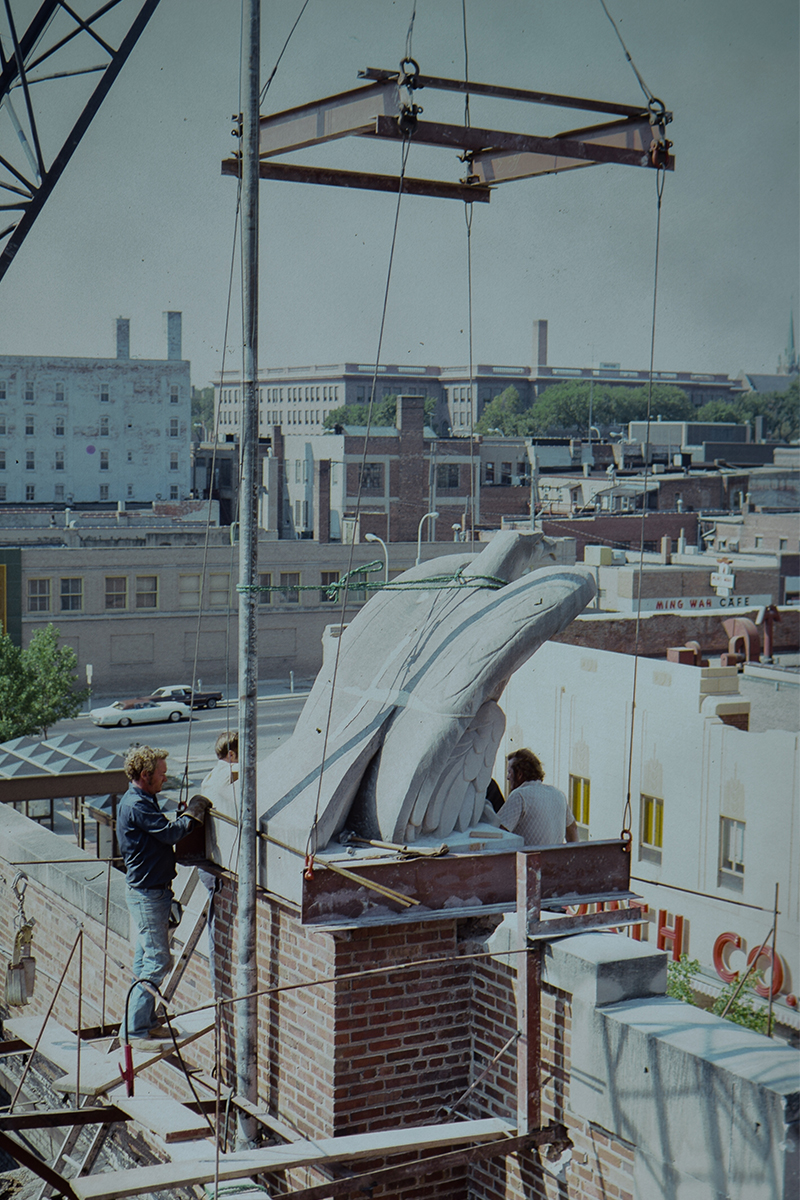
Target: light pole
428,516
373,537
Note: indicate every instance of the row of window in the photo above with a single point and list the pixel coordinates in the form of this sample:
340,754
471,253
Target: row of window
59,429
506,475
60,394
59,460
143,591
59,492
278,395
651,832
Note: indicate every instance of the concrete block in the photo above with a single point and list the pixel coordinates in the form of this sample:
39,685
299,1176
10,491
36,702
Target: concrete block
605,968
598,556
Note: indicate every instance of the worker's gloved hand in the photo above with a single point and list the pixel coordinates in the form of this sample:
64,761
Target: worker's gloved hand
197,807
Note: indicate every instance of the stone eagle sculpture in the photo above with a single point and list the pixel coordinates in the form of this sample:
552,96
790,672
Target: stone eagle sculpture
400,732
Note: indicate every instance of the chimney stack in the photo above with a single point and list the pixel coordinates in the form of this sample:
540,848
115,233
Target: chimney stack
173,326
123,337
540,342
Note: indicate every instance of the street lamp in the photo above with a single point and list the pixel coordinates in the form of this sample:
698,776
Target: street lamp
428,516
373,537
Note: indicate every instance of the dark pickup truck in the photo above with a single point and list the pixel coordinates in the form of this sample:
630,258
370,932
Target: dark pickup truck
186,696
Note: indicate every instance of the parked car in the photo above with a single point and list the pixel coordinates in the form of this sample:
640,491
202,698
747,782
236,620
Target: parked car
137,712
182,692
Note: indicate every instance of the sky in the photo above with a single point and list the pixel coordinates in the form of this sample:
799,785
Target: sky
142,221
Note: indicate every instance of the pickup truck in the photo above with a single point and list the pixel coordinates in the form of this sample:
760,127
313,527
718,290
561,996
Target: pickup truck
184,693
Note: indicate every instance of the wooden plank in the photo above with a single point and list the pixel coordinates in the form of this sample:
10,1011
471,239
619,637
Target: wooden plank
202,1168
57,1044
155,1110
98,1078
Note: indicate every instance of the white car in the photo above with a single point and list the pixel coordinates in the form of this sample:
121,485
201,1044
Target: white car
136,712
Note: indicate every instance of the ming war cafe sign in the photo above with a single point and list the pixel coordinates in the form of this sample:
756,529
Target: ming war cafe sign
701,603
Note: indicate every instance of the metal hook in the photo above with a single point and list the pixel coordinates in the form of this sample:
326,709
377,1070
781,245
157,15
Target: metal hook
19,885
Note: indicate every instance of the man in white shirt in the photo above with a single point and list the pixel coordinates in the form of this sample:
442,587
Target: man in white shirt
538,812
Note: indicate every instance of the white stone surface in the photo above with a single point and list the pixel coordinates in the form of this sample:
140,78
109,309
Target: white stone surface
405,704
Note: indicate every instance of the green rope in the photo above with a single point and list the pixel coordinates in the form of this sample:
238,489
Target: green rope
354,581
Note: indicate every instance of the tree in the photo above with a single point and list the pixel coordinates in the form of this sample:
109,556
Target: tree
37,685
501,413
563,408
384,412
203,408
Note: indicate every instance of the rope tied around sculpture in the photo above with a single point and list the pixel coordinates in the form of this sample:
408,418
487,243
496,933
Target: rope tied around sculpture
354,581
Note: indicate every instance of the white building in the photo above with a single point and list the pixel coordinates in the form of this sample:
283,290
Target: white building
714,818
83,430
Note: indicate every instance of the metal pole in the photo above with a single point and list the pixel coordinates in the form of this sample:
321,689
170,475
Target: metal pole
246,967
774,953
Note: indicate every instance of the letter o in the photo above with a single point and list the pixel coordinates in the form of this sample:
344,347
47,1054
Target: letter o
776,983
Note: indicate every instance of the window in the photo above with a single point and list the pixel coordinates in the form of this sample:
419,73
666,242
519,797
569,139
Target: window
130,456
219,589
488,473
60,393
447,476
103,491
265,581
104,393
130,491
326,579
116,591
290,582
173,492
71,595
3,389
59,426
59,460
29,391
505,474
783,543
30,460
579,800
38,595
372,476
59,491
3,424
103,460
30,491
759,542
30,426
651,837
174,427
174,394
104,427
2,491
2,460
731,853
173,462
147,591
188,591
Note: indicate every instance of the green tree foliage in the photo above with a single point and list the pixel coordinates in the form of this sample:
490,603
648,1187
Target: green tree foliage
384,412
780,410
502,413
564,407
745,1009
203,408
37,685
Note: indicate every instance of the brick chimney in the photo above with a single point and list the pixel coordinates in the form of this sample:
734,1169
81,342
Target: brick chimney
540,343
322,500
412,469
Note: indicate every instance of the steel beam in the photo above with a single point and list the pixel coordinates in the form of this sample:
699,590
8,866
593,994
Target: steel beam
630,137
572,873
326,120
54,1118
468,138
26,1159
294,173
507,93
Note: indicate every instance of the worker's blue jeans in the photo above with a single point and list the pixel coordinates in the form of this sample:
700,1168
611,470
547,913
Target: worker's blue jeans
149,908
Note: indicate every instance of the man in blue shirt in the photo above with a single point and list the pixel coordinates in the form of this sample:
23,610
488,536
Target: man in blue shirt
147,839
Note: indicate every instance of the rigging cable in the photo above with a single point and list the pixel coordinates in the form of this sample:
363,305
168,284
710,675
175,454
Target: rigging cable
468,212
272,73
627,815
406,145
628,55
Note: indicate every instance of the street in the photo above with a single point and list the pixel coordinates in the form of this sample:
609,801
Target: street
277,717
